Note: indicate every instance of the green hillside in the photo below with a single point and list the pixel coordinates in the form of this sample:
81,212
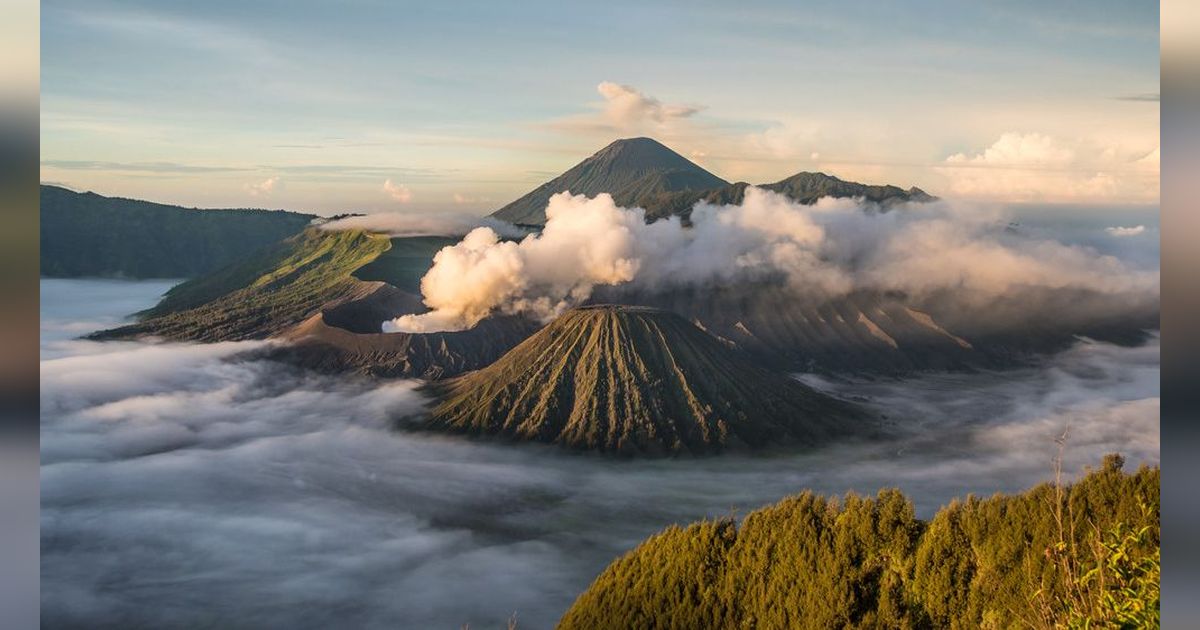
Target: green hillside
261,296
632,380
85,234
813,562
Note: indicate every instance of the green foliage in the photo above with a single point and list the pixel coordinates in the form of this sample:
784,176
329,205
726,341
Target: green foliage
1121,588
811,562
266,294
85,234
1117,585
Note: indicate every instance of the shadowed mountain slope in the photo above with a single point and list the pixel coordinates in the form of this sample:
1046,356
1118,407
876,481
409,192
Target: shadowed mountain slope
325,344
805,188
629,169
892,333
85,234
631,380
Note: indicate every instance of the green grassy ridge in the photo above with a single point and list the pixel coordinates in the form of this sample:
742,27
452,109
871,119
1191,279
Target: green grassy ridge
814,562
85,234
266,294
636,381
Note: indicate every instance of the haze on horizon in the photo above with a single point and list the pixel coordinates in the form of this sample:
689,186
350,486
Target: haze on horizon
365,106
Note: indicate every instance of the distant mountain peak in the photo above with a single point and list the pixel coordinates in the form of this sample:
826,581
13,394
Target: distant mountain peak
626,168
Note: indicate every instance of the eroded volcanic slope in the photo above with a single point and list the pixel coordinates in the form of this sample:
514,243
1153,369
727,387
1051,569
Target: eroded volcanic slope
631,380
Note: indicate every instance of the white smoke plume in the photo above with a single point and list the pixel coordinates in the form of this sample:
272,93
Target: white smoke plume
586,242
826,249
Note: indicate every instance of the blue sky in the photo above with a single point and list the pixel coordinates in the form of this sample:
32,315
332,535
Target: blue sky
368,105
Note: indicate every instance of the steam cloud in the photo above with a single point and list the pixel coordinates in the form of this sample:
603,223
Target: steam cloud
826,249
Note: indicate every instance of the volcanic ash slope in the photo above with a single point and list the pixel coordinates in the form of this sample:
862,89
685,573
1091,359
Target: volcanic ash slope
635,380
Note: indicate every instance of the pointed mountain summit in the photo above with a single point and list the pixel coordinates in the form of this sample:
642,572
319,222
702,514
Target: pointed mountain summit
628,169
633,380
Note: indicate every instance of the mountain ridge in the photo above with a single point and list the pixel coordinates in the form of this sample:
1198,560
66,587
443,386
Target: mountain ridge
642,172
88,234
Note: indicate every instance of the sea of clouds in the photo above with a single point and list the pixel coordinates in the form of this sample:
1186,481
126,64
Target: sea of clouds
187,485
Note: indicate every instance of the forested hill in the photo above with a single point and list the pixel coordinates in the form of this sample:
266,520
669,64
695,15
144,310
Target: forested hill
85,234
812,562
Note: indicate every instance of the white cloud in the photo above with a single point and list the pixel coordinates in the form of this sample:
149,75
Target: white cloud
628,111
460,198
1015,149
265,187
398,192
1038,167
1126,231
625,106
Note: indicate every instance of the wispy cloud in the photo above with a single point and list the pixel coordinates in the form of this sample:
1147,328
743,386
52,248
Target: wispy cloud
625,105
626,109
398,192
265,187
1126,231
350,171
460,198
139,167
1148,97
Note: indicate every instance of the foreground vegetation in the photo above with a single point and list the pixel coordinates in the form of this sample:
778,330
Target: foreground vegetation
1078,556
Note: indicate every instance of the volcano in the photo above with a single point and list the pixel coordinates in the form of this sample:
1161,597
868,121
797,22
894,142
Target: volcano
636,381
628,169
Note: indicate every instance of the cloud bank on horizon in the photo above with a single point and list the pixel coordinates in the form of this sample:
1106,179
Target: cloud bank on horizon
417,223
827,249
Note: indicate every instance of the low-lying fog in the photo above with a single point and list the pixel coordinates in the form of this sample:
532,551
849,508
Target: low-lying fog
183,487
